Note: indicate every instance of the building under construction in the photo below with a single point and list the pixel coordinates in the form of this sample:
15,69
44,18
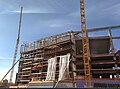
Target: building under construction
60,58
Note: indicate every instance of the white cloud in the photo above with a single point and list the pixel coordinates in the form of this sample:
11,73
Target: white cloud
34,10
103,9
5,58
7,8
113,10
75,14
57,25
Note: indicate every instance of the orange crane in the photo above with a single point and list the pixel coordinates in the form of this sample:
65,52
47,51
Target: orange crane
16,48
85,45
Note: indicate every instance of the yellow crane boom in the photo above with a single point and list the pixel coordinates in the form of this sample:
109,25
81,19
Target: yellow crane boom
85,45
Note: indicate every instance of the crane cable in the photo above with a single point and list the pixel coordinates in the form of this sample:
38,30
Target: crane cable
9,70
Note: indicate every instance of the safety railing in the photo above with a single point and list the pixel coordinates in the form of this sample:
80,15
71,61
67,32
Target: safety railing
46,41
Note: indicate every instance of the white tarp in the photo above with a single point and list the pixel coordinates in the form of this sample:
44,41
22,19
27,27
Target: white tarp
51,69
64,67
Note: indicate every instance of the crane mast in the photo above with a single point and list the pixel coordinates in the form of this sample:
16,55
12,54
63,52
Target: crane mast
85,45
16,48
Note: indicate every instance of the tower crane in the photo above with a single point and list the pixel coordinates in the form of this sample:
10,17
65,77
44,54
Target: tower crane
16,48
15,54
85,45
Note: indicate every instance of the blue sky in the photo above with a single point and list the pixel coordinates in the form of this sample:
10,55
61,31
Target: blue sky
42,18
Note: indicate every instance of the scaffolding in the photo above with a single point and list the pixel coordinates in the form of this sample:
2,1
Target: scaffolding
35,64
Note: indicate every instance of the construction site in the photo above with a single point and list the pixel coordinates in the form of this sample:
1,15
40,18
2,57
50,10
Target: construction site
69,60
60,58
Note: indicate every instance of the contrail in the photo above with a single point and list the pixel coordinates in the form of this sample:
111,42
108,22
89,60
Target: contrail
5,58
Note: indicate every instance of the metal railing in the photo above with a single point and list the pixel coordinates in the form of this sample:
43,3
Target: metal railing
46,41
